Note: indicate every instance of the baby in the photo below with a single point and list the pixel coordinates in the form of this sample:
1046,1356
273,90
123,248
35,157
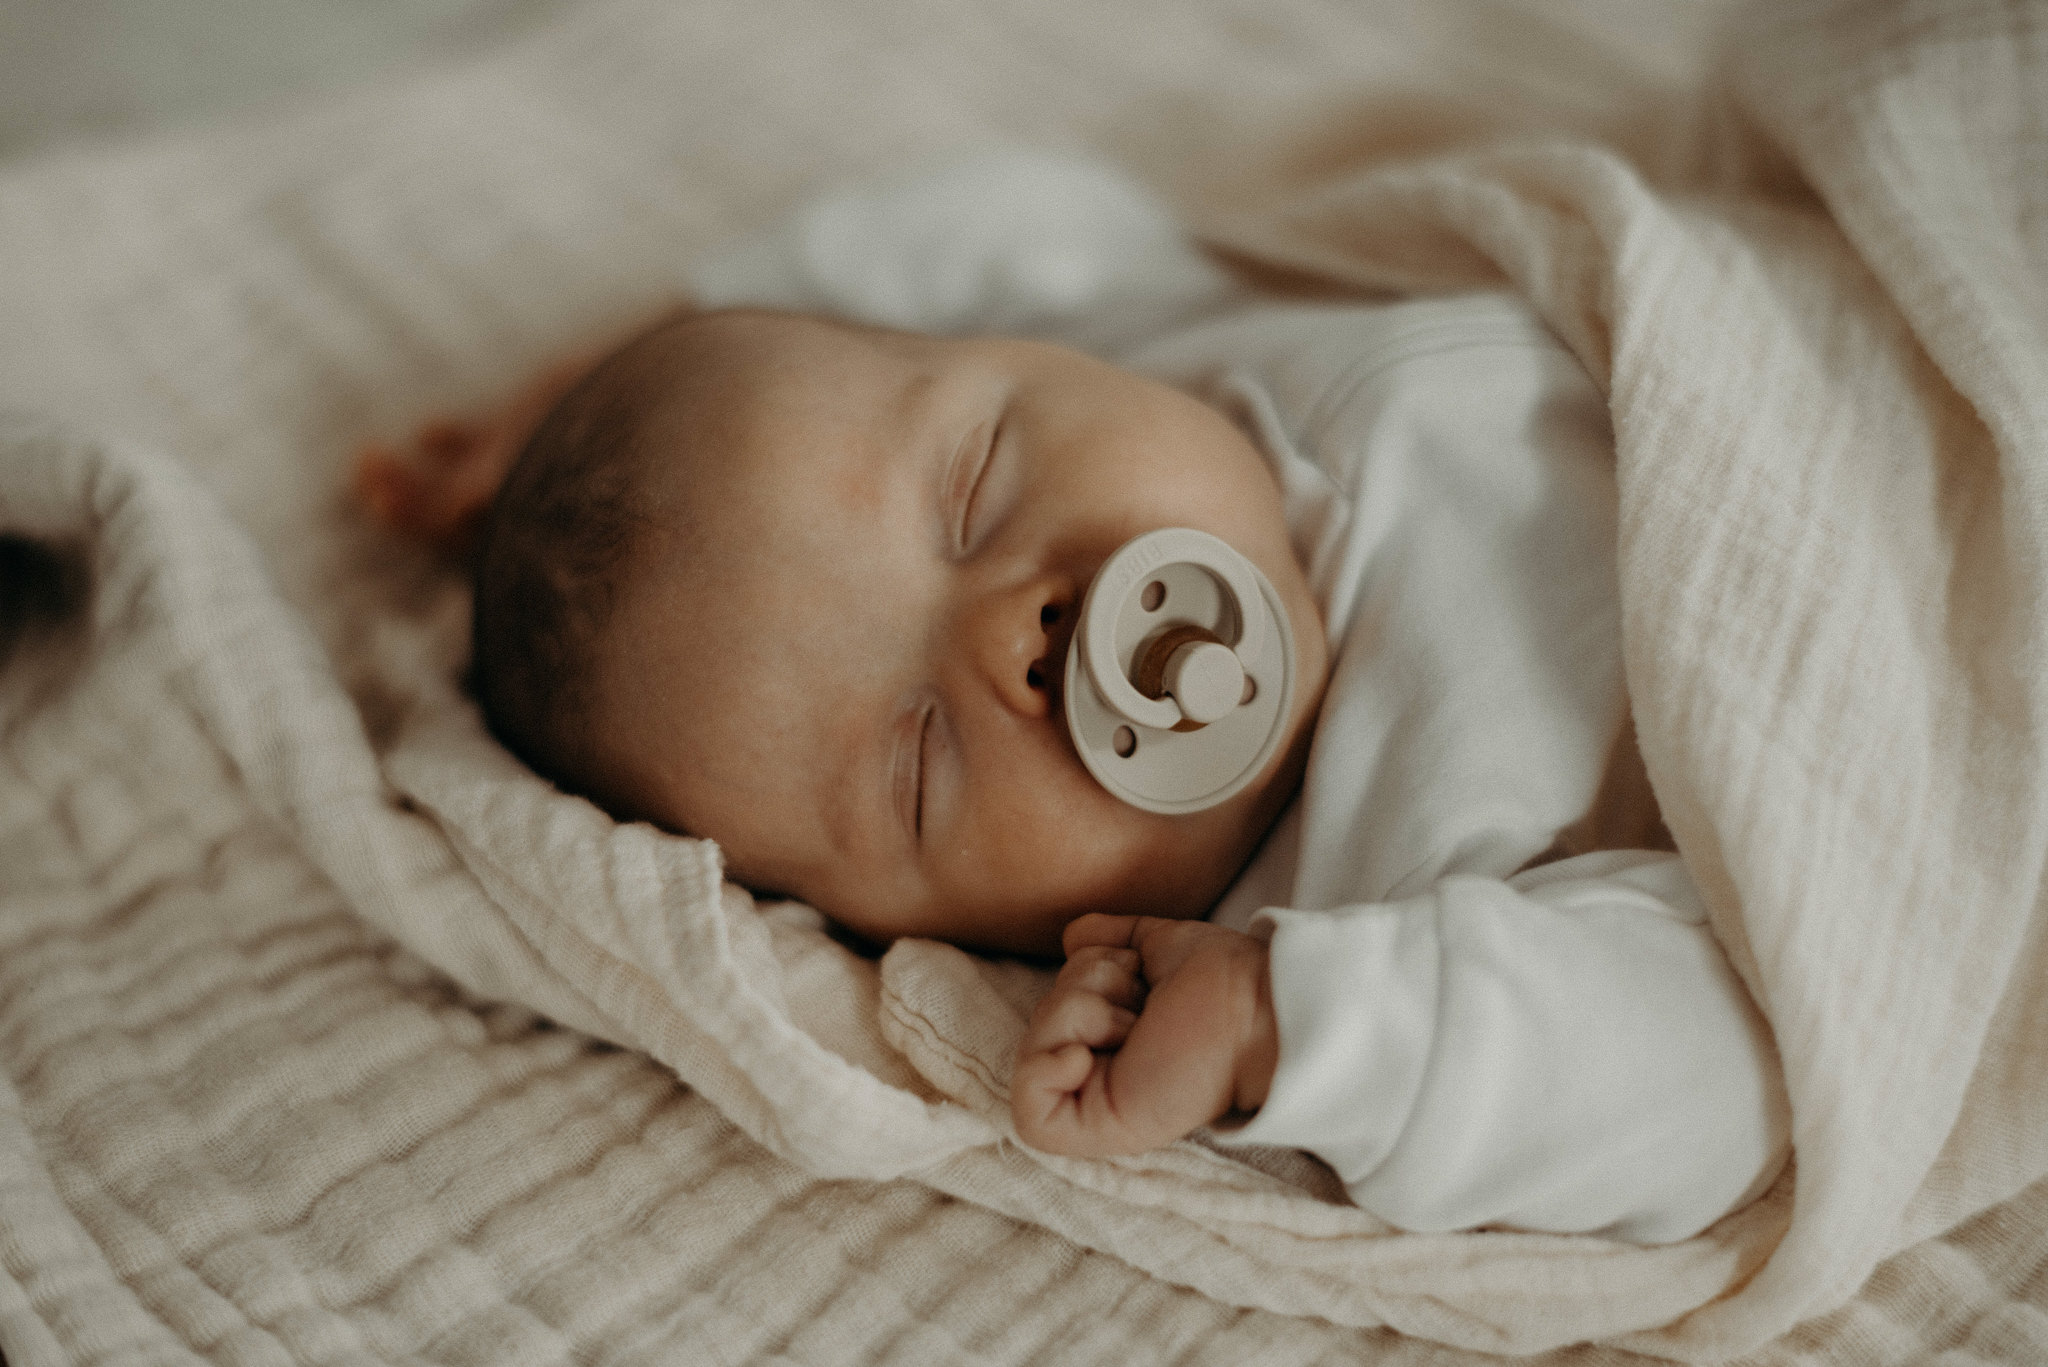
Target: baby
807,588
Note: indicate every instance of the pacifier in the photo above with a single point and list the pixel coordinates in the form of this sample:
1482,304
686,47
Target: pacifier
1180,672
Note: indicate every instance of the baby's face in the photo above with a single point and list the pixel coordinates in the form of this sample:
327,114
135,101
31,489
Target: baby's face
841,651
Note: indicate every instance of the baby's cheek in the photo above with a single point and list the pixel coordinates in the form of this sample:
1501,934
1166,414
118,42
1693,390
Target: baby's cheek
1075,829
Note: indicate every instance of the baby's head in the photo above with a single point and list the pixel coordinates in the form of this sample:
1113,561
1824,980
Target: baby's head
806,588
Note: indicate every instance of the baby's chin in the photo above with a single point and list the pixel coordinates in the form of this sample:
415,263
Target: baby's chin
1183,887
1006,925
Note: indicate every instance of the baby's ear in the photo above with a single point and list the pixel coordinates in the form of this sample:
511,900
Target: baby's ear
436,486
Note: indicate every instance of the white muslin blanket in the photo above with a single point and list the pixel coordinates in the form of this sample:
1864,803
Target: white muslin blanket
1831,415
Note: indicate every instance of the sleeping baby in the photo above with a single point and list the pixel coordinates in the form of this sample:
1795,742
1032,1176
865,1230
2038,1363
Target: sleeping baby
816,590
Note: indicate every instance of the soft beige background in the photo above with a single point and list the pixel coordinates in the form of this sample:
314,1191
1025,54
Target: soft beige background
97,70
100,70
331,1099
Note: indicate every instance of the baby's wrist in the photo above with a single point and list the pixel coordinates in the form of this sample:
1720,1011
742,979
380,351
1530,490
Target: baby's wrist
1258,1050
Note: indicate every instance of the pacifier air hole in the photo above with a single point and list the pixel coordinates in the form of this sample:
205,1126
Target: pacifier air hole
1180,672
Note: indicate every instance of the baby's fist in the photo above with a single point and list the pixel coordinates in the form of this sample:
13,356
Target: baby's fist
1153,1029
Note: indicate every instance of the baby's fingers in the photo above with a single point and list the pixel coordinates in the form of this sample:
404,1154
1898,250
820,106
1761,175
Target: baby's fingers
1060,1102
1043,1086
1099,930
1057,1058
1112,974
1078,1017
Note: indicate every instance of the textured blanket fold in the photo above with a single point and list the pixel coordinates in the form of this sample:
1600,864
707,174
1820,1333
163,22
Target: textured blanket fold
1832,432
1831,413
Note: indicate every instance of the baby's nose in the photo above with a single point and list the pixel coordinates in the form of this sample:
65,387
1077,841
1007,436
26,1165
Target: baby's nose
1019,639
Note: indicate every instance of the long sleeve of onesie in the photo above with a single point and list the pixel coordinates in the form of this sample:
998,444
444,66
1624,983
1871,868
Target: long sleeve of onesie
1566,1050
1469,1042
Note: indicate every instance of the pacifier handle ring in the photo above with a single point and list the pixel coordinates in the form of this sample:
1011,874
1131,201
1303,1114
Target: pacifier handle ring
1141,557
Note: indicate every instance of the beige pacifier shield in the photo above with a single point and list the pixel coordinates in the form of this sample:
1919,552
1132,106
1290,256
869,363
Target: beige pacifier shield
1136,746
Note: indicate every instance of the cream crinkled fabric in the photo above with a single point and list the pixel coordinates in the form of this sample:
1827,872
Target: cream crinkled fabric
1831,434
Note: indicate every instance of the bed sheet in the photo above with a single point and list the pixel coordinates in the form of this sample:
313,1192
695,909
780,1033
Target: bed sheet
240,1124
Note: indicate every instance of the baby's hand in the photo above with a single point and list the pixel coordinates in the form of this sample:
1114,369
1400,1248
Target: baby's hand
1153,1029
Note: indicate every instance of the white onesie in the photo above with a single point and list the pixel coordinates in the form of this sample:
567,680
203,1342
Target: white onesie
1564,1049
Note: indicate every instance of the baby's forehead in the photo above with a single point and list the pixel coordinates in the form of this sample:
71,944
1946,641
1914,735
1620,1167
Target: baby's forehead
738,355
798,405
756,436
741,375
